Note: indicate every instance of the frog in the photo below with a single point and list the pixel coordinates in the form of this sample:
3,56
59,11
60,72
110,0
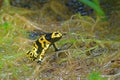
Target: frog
42,44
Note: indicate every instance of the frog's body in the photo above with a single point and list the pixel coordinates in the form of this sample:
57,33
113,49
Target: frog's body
42,44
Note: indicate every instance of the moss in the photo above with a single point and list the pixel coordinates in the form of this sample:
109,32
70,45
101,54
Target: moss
88,37
95,76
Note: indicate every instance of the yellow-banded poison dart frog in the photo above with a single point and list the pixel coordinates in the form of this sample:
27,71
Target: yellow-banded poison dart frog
42,44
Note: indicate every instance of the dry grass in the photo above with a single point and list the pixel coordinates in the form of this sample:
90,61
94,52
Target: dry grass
90,50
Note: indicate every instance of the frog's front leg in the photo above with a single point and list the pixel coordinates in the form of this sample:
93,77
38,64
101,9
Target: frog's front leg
56,49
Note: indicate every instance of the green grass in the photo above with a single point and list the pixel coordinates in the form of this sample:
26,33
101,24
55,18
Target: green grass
94,5
9,52
95,76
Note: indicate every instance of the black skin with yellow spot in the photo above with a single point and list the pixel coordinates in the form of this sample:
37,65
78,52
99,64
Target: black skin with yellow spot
42,44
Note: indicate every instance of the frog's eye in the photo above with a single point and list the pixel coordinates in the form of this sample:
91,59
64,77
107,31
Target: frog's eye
56,34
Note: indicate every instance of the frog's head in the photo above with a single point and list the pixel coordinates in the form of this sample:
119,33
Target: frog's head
55,36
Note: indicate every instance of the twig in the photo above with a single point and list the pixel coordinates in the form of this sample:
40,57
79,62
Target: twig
118,74
31,23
